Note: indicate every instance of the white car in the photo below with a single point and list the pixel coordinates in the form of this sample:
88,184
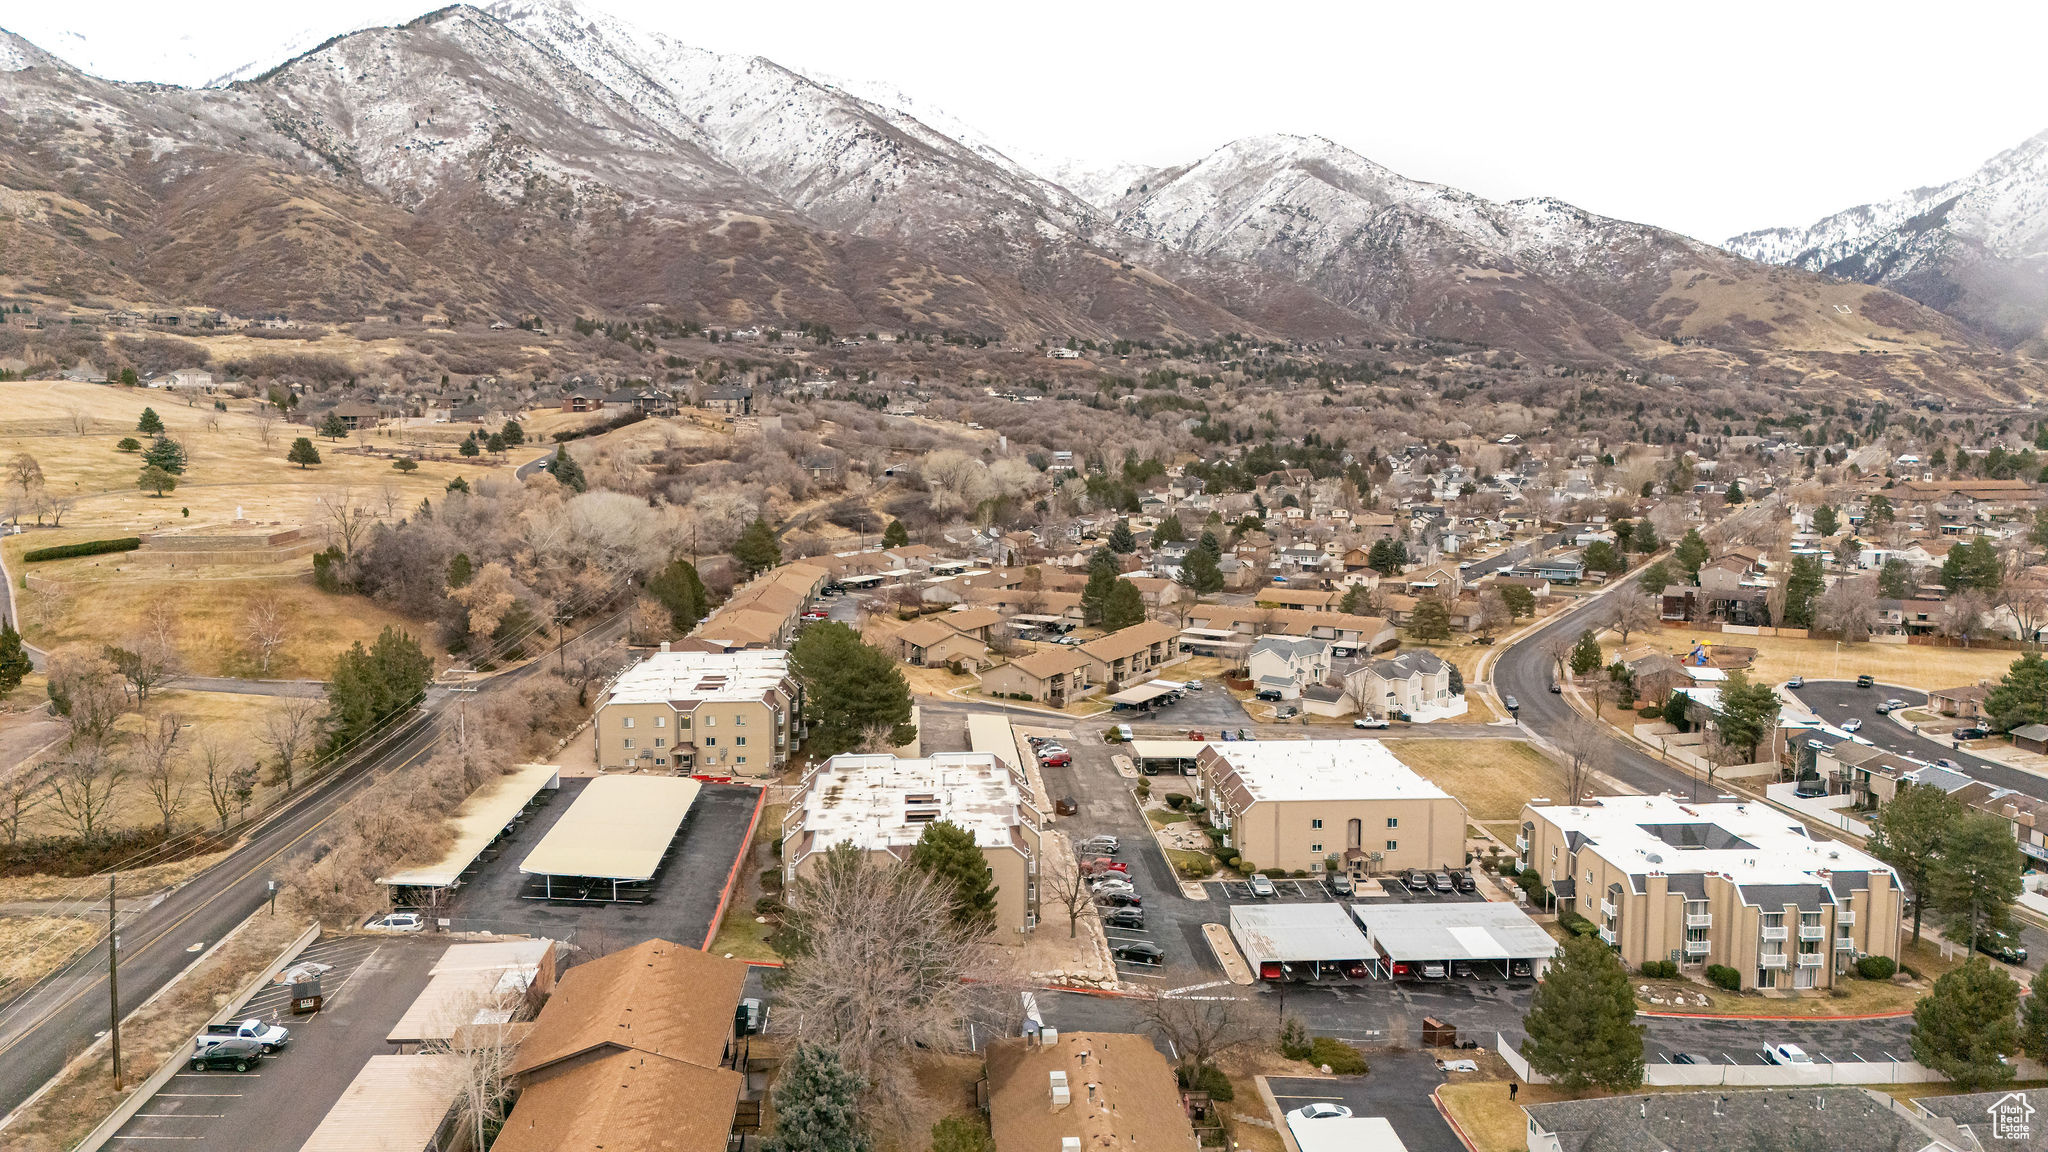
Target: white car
1320,1110
1787,1054
398,922
1112,882
1196,685
1261,885
1370,722
1851,724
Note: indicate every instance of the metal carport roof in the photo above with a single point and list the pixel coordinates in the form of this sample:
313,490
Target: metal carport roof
1457,931
618,829
478,822
1296,933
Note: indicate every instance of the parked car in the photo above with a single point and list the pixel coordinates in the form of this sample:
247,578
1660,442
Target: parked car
749,1018
1556,689
1795,683
1111,883
1462,880
1140,952
1370,722
1268,694
1103,866
398,922
1262,886
1866,680
1441,882
1787,1054
1196,685
1433,970
232,1052
1892,705
1975,733
1461,969
1098,846
1320,1110
814,617
1194,733
1356,970
1688,1058
1244,733
1124,918
1418,880
1056,760
1513,705
1851,724
1114,899
1521,968
268,1037
2001,946
1340,885
1045,750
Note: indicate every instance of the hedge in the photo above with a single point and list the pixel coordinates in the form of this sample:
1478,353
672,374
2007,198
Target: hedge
84,548
1722,976
1876,967
1342,1058
1660,969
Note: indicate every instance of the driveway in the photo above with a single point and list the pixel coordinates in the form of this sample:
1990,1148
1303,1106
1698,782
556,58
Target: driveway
1397,1088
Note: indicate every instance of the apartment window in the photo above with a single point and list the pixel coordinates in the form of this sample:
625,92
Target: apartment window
1393,845
629,742
660,760
1315,847
711,721
1315,824
661,721
740,740
739,721
682,721
627,722
1393,821
711,741
739,759
659,742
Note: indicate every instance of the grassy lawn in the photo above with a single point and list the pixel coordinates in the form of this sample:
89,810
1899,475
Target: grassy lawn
1161,817
31,946
1779,659
1183,862
739,933
1490,1120
1494,778
740,937
1865,997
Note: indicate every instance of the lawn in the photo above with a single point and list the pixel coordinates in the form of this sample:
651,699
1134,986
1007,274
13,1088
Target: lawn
1778,659
739,933
1490,1120
1161,817
1494,778
32,946
1865,998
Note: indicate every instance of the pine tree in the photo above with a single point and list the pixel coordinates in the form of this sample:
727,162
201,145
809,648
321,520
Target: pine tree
1199,573
1124,607
1210,544
2033,1016
1357,600
460,569
1977,877
1690,554
334,427
949,854
1585,654
1581,1027
1102,570
405,464
1803,586
1968,1021
166,454
303,453
468,448
681,592
1748,713
457,485
817,1105
1387,556
1170,530
150,423
851,690
1430,620
155,479
1643,540
14,661
496,444
1909,833
1121,541
1826,520
512,433
1734,494
895,535
565,470
2021,696
757,549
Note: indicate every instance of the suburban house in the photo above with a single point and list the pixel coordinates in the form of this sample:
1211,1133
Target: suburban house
1085,1090
642,398
735,713
355,415
1965,703
729,399
1050,676
586,398
1415,684
1740,885
1739,605
1131,654
1289,804
1280,667
881,805
1563,568
932,641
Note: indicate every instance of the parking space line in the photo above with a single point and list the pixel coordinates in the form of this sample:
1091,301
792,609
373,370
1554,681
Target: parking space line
199,1095
179,1115
120,1137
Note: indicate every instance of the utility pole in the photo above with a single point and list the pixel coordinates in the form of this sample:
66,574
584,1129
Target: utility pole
113,983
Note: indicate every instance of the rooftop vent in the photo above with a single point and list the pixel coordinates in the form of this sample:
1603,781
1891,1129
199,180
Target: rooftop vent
1061,1096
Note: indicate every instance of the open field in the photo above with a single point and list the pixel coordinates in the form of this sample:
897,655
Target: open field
1779,659
140,882
32,946
1494,778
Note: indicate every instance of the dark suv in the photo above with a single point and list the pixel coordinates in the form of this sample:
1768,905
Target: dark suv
238,1052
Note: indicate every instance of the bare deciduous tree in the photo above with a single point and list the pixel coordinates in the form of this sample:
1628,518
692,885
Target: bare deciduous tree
289,732
89,694
84,788
2029,608
1061,886
1962,615
1587,750
228,779
1494,613
485,1050
348,519
1850,608
160,767
1200,1030
19,796
1632,612
266,424
79,420
264,626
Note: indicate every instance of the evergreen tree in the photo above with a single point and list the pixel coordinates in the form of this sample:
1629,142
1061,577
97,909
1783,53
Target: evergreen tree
1973,566
681,592
1748,713
1880,510
1826,520
1895,580
817,1105
1521,601
2034,1016
1121,541
1357,600
512,433
1199,573
1909,834
565,470
1977,877
1585,654
1655,579
303,453
406,464
150,424
1581,1027
1210,544
334,427
757,550
128,444
457,485
1690,554
1968,1021
1803,586
1601,556
1734,494
2021,696
496,444
156,480
367,686
1643,540
949,854
1430,620
14,661
166,454
895,535
851,690
1124,607
468,449
1102,570
460,569
1170,530
1387,556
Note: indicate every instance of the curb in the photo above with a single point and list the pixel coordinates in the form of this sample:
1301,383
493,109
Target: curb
1729,1016
1457,1129
731,877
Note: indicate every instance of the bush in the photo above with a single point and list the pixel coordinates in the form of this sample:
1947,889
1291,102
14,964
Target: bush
1176,800
616,422
1660,969
1215,836
1877,967
1578,925
768,906
1723,977
1294,1041
129,444
1342,1058
771,880
1247,867
1650,712
1299,873
1211,1080
83,548
1509,869
1532,884
1910,971
70,856
1113,736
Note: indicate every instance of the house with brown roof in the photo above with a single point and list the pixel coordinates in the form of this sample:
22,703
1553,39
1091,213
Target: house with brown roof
1964,703
1132,654
932,641
634,1050
1303,599
1098,1091
1343,629
1052,676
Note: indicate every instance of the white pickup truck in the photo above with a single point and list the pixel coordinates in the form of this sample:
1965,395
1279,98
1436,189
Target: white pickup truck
270,1036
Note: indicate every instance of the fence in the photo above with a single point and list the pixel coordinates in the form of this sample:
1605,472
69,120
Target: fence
1754,1075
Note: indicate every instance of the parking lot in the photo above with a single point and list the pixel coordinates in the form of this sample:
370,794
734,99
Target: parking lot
1210,709
368,983
682,898
1398,1088
1710,1041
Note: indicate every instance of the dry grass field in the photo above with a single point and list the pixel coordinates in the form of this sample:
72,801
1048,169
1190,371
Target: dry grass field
1778,659
1494,778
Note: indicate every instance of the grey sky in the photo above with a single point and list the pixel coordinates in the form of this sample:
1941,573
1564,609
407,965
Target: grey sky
1710,119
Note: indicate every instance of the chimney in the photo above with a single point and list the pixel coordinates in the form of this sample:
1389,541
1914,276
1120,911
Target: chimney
1070,1144
664,645
1061,1097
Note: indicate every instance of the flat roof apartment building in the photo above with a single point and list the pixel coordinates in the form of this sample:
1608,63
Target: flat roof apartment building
1290,804
701,713
1741,885
882,804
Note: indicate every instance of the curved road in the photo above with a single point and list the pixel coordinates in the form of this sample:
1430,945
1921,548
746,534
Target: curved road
1838,700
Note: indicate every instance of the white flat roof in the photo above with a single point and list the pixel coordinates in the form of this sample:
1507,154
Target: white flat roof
1345,1134
879,801
1485,931
749,674
1751,843
479,821
1280,770
395,1104
470,983
1168,749
618,829
991,732
1296,933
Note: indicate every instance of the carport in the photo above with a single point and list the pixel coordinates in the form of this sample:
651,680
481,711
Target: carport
1144,695
1278,939
1492,934
1221,643
484,817
1177,756
618,832
393,1102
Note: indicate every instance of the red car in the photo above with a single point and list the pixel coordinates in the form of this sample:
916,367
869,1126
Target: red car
814,616
1098,867
1057,760
1194,734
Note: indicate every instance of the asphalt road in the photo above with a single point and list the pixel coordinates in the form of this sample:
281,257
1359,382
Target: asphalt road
1837,700
1397,1088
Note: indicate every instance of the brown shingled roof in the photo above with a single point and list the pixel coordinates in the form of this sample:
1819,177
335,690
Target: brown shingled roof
654,997
627,1100
1123,1095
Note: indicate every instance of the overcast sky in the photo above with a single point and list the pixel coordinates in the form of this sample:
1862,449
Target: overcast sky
1710,119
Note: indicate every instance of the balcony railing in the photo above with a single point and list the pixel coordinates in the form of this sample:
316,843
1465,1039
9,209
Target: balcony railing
1778,933
1845,916
1813,932
1771,960
1810,959
1607,907
1521,843
1698,947
1701,920
1607,937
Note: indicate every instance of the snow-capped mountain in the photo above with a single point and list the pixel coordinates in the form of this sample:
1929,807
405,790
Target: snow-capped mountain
1975,247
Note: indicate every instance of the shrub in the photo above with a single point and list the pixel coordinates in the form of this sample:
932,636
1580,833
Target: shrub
1211,1080
1247,867
1877,967
1578,925
1177,800
1215,836
1294,1041
129,444
771,880
1650,712
767,906
1724,977
1508,867
1660,969
84,548
1112,736
1342,1058
1299,873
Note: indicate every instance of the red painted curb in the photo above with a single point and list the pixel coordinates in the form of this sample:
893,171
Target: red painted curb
1730,1016
746,850
1444,1112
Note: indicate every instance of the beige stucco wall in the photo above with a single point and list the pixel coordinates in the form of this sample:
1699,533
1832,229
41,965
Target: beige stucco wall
1281,835
724,723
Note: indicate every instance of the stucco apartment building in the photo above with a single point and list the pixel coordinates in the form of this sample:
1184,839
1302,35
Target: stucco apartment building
881,805
1130,655
696,713
1291,804
1050,676
763,613
1741,885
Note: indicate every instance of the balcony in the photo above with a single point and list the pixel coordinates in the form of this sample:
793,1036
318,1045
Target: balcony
1778,933
1702,920
1607,937
1771,960
1844,917
1813,932
1698,947
1810,959
1521,843
1607,908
